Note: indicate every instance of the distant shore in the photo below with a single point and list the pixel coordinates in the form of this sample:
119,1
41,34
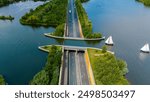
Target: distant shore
2,80
7,18
145,2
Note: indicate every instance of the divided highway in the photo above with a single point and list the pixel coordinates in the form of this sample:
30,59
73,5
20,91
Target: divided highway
74,66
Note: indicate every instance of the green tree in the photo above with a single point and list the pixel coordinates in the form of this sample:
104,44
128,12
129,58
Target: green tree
104,49
50,73
2,80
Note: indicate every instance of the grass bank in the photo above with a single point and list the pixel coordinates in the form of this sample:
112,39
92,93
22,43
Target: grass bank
2,80
6,18
107,69
86,24
51,14
145,2
49,75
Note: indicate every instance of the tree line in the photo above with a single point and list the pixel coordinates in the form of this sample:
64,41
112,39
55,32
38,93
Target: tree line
49,75
51,14
145,2
6,2
7,18
2,80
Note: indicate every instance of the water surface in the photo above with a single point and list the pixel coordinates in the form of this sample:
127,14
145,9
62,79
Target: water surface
20,58
128,23
126,20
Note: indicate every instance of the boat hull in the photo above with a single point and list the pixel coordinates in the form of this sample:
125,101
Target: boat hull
145,51
109,44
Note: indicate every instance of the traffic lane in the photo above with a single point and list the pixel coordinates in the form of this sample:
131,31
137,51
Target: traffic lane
73,26
72,69
70,24
70,30
65,78
75,21
83,69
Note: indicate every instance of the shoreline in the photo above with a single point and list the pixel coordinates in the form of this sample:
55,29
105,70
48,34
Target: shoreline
2,80
72,38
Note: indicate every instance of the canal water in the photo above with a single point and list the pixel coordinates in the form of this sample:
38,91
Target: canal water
126,20
20,58
128,23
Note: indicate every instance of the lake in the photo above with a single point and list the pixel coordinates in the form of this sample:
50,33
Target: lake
128,23
126,20
20,58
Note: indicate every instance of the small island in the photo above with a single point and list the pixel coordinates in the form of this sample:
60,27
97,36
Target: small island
2,80
6,18
6,2
145,2
52,13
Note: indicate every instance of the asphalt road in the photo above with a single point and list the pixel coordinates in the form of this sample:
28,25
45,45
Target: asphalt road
83,70
65,69
74,68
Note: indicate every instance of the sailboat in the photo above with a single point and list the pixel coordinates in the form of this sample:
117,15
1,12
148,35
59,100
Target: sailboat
109,41
145,48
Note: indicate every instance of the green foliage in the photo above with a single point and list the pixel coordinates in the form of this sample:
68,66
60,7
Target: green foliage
52,14
50,73
2,80
59,30
84,1
40,78
6,17
146,2
86,24
104,49
107,70
123,66
6,2
39,0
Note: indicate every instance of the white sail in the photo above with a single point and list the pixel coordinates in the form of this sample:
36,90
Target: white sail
109,41
145,48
